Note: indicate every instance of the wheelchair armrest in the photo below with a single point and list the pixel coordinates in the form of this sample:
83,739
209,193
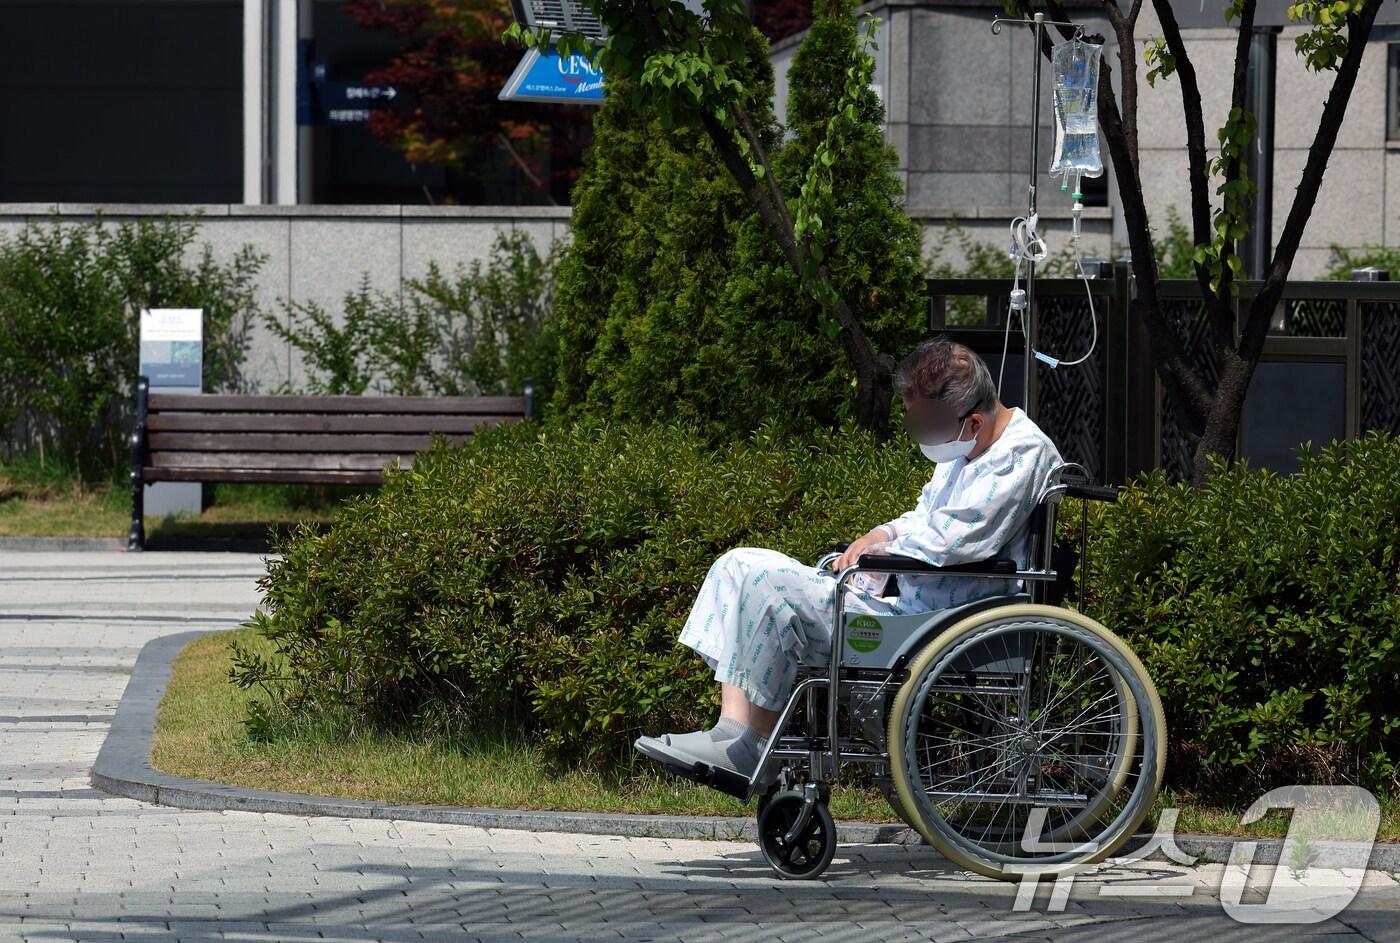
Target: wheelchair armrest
893,563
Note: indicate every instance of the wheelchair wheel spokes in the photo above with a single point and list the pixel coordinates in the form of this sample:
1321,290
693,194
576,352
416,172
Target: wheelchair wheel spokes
1022,742
1053,757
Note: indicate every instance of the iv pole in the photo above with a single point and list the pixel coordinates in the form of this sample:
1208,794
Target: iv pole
1037,23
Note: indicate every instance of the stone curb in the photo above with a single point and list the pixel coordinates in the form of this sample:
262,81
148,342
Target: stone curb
41,544
123,768
118,544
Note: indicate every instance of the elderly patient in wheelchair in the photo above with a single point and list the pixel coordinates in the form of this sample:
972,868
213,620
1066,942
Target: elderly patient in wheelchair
760,613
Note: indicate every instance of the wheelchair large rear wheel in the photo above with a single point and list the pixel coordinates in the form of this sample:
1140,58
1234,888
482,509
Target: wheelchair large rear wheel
1027,739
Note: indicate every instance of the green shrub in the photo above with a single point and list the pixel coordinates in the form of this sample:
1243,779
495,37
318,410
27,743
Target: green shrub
540,576
1267,609
70,302
638,307
775,355
543,576
1342,260
483,330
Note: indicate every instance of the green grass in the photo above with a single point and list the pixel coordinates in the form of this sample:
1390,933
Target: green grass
200,734
50,501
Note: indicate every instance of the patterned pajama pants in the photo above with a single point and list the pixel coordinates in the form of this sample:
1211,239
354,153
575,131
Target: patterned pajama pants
760,613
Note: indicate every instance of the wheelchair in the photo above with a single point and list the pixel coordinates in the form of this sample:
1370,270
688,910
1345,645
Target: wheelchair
1015,735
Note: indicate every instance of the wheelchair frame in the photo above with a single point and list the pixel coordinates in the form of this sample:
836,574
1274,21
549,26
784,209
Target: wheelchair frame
789,817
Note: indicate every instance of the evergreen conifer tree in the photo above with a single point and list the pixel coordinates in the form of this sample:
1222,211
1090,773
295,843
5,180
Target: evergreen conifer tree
675,302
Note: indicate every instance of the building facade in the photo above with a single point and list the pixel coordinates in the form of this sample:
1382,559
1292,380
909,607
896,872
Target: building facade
958,103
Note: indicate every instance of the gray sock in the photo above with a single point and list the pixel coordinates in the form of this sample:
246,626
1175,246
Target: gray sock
727,729
743,751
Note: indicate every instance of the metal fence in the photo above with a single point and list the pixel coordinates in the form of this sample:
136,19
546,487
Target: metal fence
1330,367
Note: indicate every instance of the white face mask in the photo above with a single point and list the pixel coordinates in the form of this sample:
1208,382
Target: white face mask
951,450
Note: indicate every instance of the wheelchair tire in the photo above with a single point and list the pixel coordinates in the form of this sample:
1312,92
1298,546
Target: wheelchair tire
960,813
897,806
809,854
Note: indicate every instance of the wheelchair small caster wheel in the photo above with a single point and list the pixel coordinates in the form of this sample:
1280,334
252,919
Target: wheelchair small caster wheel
794,847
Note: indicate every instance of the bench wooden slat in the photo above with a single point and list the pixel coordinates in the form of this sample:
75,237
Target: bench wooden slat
273,422
291,439
396,405
290,442
306,460
284,476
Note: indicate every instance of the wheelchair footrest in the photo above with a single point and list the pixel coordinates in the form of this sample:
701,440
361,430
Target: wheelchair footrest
717,777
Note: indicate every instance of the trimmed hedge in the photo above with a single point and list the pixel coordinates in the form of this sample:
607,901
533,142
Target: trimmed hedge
1267,609
543,576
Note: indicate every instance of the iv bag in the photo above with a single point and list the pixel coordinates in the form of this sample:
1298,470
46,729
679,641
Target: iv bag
1076,66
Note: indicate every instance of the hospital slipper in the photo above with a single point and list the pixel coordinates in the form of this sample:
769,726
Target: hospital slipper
687,742
736,756
721,776
658,748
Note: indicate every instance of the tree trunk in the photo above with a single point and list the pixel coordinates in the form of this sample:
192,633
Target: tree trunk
874,370
1223,423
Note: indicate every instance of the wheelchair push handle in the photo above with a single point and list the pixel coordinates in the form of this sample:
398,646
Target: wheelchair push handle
1091,492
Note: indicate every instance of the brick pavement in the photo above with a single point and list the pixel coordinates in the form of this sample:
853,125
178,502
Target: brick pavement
76,864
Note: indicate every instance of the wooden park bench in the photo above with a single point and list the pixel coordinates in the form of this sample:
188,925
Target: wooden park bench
294,439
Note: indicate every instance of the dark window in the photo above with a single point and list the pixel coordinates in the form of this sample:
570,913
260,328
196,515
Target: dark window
121,102
1289,403
1392,91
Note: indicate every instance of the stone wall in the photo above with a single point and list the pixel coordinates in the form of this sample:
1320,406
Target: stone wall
318,253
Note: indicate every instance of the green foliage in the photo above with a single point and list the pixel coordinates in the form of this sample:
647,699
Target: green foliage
484,330
840,128
1176,250
70,303
652,244
1160,60
709,80
496,327
1232,219
675,302
541,576
336,350
1343,260
797,372
1266,608
1323,46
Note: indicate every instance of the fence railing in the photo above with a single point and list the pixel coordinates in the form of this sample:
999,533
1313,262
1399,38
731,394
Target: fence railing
1330,367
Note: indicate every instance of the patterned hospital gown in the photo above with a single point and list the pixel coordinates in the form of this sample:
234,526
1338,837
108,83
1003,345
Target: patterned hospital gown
760,613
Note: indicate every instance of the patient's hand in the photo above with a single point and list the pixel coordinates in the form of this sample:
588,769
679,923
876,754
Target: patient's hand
872,542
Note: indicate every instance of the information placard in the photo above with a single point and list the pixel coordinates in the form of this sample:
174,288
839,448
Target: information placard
172,347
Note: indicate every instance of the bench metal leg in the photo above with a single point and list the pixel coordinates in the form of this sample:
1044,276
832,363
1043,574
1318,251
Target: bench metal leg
136,538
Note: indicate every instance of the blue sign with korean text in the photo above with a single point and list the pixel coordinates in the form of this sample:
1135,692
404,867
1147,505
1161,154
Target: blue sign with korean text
325,101
549,77
350,102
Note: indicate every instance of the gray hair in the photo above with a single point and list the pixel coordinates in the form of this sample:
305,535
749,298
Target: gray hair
941,368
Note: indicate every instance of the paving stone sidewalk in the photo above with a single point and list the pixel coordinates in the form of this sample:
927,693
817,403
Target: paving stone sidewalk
77,864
